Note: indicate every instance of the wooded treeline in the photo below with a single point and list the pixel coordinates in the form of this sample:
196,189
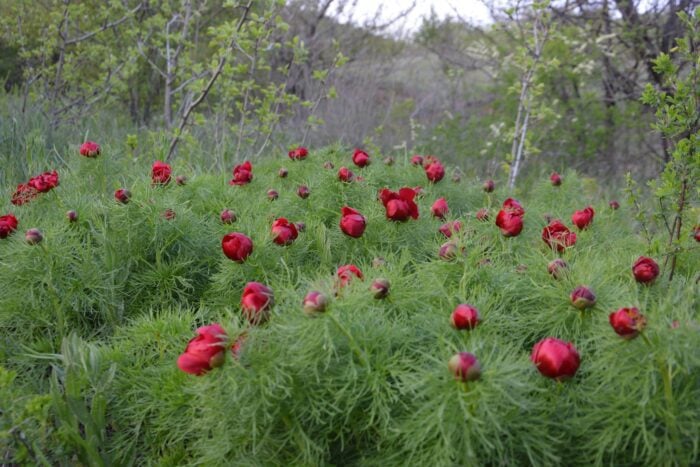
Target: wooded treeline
558,82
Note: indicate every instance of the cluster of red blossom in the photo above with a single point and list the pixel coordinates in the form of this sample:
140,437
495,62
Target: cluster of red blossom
552,357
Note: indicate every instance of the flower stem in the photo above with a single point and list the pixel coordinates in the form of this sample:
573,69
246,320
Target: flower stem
353,344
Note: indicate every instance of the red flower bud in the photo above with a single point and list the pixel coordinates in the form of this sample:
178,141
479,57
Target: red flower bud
122,195
557,268
434,170
389,161
380,288
272,194
555,178
465,317
160,173
450,228
283,172
696,233
314,302
558,236
360,158
205,351
256,302
439,208
90,149
448,251
301,226
583,218
181,180
237,346
627,322
298,154
378,262
303,191
227,216
510,224
72,216
582,297
33,236
237,246
345,175
465,367
328,165
242,174
645,270
489,186
614,205
284,232
352,223
169,214
8,224
482,215
555,358
417,160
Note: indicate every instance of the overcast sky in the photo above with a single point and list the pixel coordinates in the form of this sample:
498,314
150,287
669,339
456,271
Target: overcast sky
472,10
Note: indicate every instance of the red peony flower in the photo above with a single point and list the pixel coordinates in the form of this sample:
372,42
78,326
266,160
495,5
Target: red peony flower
303,191
160,173
399,205
555,178
645,270
352,223
555,358
557,268
489,186
205,351
8,224
510,224
90,149
23,194
314,302
583,218
284,232
256,302
465,367
450,228
582,297
439,208
122,195
345,175
242,174
237,246
44,182
380,288
557,235
627,322
434,170
360,158
482,215
298,154
417,160
346,273
465,317
227,216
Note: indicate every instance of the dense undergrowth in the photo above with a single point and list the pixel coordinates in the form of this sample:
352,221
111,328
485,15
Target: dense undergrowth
94,317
